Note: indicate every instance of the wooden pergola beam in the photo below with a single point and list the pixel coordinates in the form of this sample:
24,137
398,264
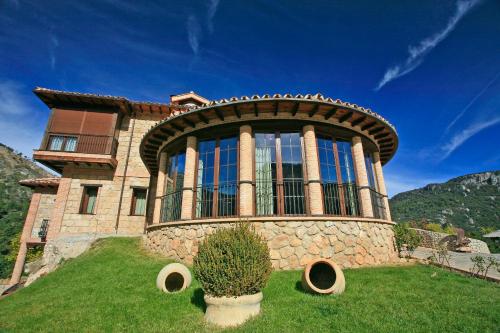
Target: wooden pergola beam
160,137
255,109
167,131
177,127
236,111
380,136
150,140
188,122
385,141
276,108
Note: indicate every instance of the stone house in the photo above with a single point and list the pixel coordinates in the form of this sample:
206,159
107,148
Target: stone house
305,170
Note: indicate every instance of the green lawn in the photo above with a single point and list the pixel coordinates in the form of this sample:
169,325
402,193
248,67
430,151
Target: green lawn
112,289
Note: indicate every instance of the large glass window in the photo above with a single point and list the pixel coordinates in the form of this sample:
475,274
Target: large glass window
370,172
340,193
279,187
216,191
174,181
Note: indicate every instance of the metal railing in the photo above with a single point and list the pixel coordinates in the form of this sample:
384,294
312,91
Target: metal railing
171,205
81,143
378,204
44,227
227,194
268,197
341,199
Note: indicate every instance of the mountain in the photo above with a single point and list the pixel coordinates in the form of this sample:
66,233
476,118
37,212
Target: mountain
14,199
471,202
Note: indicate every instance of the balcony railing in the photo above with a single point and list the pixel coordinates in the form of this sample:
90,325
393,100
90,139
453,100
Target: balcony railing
171,204
378,204
341,199
81,143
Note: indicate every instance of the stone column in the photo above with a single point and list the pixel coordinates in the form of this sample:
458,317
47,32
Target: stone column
362,177
246,171
189,174
312,166
25,236
381,183
160,184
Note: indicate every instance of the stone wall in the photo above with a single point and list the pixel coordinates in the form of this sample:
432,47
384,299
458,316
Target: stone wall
292,243
430,239
45,207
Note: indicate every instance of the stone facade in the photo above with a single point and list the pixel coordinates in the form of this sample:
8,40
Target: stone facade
430,239
291,243
45,207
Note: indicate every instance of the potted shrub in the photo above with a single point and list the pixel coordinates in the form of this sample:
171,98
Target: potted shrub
233,266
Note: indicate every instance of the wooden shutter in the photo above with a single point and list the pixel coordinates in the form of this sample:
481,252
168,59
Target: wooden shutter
99,123
66,121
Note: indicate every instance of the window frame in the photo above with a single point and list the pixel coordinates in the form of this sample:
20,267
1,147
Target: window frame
133,203
280,200
340,181
64,143
215,195
85,199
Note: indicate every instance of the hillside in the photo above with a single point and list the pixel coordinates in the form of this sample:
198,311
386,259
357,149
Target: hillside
14,199
470,202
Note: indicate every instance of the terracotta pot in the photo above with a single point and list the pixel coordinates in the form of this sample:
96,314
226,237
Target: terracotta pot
232,311
323,276
173,277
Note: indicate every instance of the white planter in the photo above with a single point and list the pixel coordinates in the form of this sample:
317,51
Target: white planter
232,311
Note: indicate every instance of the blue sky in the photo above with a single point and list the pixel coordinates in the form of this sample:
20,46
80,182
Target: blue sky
432,68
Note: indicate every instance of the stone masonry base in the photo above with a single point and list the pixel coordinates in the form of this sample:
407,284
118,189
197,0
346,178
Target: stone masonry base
291,243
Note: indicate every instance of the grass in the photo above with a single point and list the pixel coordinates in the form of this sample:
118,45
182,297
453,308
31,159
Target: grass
112,289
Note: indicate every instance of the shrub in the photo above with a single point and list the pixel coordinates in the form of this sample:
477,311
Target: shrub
406,238
233,262
433,227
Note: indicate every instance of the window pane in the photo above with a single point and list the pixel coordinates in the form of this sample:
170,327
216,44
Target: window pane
293,182
331,188
140,201
227,177
370,172
265,174
70,143
91,193
205,179
56,142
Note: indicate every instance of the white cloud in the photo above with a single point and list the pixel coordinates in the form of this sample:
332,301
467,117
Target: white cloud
458,139
473,100
12,99
194,33
54,43
212,9
418,52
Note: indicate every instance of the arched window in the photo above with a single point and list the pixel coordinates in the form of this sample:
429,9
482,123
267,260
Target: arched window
216,186
340,193
279,174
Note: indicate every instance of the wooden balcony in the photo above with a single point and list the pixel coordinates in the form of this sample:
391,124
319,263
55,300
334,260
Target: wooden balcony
59,149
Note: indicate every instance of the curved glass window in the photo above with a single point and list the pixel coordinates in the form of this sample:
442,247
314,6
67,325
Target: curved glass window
174,181
216,189
340,193
279,179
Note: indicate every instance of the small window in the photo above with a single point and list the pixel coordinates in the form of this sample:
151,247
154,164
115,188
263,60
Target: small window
62,143
138,206
89,199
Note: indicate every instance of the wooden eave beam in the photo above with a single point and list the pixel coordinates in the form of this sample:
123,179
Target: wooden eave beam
236,111
358,121
255,109
331,113
219,114
156,142
188,122
276,108
167,131
160,137
345,117
314,110
376,130
369,125
385,146
295,108
177,127
202,117
385,141
380,136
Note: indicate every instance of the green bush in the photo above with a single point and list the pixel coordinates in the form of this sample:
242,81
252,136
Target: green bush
406,238
233,262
